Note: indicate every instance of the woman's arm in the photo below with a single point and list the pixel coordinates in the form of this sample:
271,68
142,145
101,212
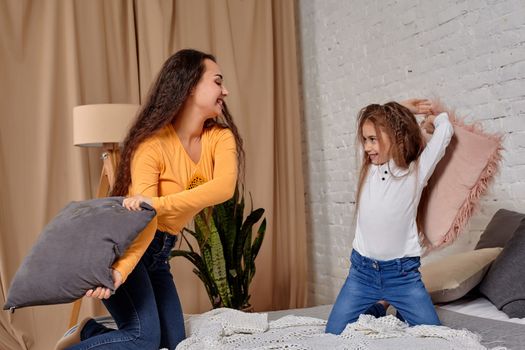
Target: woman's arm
145,170
179,208
144,179
185,204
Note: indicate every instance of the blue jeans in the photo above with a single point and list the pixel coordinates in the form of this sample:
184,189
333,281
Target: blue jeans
146,308
397,281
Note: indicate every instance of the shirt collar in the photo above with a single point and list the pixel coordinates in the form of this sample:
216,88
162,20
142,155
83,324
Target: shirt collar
390,167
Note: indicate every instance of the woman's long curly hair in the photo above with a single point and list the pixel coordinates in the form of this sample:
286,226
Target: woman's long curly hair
404,133
174,83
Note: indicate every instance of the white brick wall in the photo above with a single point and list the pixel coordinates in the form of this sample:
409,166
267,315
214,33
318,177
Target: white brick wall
469,53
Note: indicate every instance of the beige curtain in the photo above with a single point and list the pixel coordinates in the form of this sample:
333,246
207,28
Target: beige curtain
290,242
58,54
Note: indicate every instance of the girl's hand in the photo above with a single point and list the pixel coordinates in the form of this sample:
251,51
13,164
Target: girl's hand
105,293
133,203
428,124
418,106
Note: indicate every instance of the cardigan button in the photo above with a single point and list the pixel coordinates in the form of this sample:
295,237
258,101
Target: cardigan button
383,178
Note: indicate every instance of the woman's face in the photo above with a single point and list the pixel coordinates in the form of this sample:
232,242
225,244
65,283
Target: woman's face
209,93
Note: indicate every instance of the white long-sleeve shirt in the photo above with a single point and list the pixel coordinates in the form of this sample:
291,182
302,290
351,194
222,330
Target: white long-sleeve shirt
386,220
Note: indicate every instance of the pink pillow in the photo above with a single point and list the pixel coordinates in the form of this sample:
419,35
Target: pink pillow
461,177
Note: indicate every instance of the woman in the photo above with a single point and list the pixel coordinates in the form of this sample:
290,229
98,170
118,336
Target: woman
181,156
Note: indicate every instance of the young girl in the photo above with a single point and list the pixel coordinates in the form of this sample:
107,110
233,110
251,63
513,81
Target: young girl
386,252
183,134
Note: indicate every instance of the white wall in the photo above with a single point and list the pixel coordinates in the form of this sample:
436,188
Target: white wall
469,53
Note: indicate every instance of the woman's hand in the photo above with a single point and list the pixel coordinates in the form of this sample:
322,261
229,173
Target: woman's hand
133,203
105,293
418,106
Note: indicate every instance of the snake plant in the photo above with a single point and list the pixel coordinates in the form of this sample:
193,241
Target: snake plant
225,260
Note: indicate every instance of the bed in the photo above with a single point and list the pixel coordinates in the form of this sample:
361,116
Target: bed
477,315
476,292
493,332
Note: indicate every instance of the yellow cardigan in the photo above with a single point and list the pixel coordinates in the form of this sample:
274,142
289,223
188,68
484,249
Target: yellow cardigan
162,169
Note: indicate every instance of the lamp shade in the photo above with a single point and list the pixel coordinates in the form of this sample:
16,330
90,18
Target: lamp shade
94,125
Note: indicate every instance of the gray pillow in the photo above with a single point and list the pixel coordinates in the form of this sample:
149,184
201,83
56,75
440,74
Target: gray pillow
500,229
504,284
75,251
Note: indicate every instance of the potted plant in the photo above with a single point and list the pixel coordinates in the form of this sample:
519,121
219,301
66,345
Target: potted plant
225,260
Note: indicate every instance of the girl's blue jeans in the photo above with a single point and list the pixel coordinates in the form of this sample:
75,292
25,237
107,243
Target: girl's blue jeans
146,308
397,281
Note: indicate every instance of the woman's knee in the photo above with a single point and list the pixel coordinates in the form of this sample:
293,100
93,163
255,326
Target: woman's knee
147,338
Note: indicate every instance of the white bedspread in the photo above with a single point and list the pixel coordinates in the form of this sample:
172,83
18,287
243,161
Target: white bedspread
225,329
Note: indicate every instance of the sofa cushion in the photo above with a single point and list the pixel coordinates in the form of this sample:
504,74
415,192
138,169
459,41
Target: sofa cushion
451,277
504,284
500,229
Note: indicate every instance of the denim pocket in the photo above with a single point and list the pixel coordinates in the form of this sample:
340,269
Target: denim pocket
363,274
161,256
156,244
409,265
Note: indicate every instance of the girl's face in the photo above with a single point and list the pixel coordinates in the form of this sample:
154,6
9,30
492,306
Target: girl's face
208,95
377,152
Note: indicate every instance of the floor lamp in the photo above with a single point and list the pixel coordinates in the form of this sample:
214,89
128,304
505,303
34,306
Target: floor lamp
103,126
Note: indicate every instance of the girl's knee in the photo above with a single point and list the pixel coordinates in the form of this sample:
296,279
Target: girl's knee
429,318
333,328
337,321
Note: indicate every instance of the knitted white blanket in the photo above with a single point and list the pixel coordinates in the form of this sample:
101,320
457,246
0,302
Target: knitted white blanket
225,329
